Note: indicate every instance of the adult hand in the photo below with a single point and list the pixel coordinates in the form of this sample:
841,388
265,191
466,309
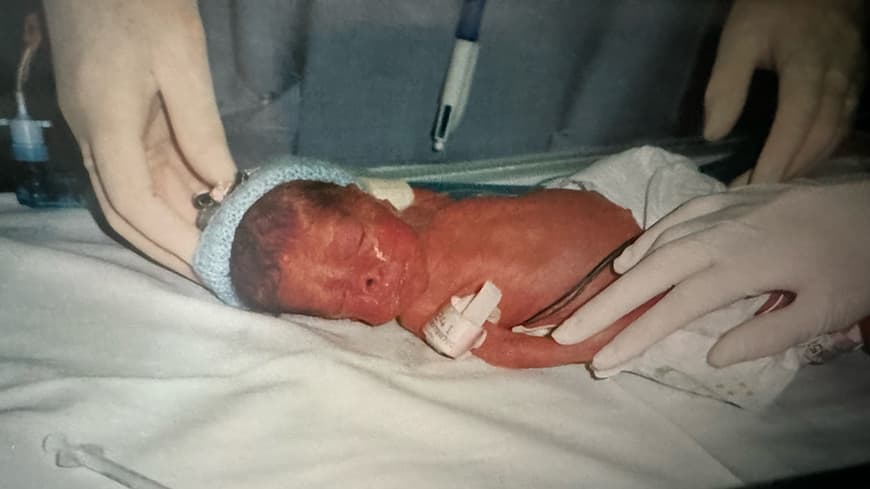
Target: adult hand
133,83
815,47
714,250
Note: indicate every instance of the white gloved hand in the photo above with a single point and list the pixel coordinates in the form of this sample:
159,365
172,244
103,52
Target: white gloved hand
811,240
815,47
133,83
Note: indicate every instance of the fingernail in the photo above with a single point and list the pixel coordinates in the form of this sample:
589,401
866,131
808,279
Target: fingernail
624,261
718,358
606,360
600,373
221,190
224,187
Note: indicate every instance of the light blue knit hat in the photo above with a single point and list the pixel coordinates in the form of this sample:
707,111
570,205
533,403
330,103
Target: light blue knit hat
211,262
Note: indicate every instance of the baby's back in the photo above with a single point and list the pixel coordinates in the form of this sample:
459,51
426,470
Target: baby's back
532,247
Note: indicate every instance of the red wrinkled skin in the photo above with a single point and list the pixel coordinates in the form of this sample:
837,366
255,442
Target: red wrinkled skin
357,258
327,251
534,248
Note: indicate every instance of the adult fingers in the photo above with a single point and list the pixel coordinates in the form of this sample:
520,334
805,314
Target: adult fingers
800,89
765,335
827,122
128,232
123,172
684,221
857,63
696,296
847,118
657,239
186,87
736,60
656,273
174,189
172,178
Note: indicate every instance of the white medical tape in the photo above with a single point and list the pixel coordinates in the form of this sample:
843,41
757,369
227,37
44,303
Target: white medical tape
458,326
396,192
538,331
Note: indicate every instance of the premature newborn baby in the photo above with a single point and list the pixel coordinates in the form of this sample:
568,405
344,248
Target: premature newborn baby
337,252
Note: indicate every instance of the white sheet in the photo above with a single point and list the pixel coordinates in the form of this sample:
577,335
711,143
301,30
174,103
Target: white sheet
110,349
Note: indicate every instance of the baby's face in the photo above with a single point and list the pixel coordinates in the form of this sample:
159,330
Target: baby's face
364,263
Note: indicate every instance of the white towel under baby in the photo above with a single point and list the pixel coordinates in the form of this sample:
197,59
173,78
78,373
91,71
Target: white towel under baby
651,182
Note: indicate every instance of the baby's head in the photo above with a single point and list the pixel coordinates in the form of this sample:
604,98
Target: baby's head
322,249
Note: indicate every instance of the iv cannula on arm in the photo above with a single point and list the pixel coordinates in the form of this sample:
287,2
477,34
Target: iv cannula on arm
460,72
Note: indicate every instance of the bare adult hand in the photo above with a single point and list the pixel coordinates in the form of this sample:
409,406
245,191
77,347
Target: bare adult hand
815,48
134,84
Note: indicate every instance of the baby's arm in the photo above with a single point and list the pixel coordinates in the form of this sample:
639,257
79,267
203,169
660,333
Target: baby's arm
504,348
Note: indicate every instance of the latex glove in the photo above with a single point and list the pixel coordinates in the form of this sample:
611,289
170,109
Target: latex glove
810,240
133,83
815,47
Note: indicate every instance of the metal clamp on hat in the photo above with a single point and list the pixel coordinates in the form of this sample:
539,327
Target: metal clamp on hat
207,206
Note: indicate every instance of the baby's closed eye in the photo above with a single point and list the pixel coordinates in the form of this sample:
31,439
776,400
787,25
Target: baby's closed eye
347,240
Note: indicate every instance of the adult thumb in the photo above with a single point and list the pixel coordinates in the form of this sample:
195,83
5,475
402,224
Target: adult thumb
190,101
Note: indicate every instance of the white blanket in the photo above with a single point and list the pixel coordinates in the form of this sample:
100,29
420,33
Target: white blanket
110,349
